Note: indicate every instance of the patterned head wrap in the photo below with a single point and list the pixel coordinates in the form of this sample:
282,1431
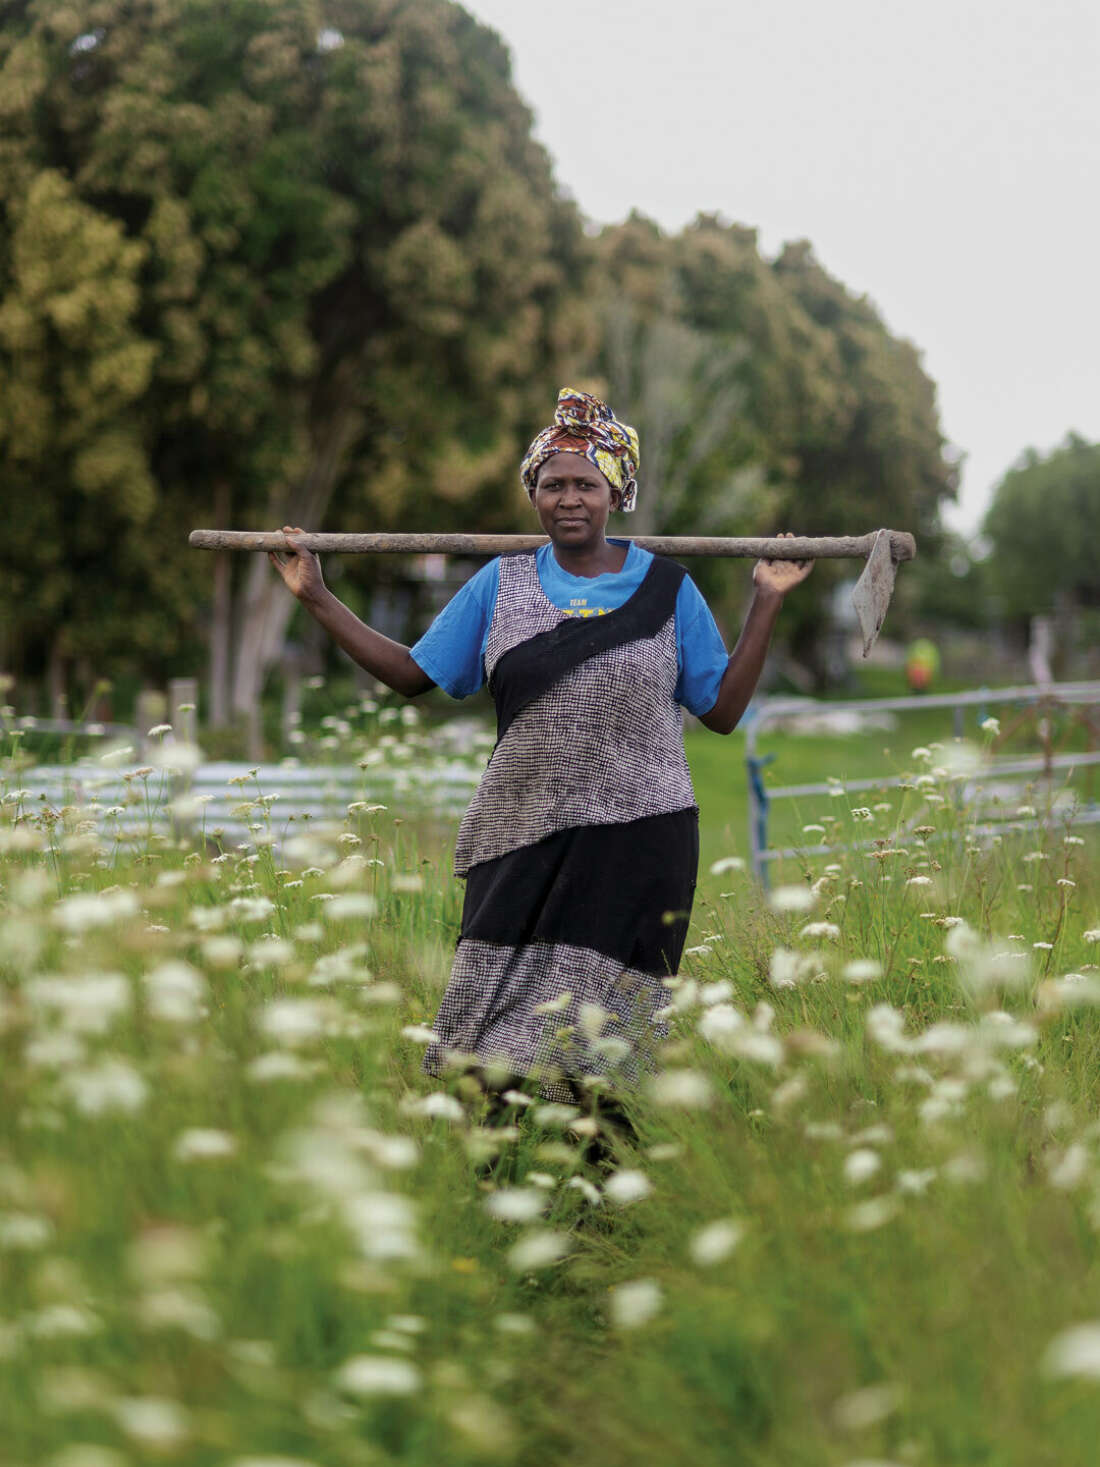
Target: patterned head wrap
583,424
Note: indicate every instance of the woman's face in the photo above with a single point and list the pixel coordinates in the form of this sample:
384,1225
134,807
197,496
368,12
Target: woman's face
573,500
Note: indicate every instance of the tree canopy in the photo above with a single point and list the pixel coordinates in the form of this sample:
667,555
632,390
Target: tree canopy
260,267
767,396
1043,528
242,251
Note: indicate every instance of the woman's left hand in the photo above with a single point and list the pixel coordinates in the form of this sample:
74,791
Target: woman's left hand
780,576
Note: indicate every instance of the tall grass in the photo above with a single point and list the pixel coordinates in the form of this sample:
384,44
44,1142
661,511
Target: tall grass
237,1224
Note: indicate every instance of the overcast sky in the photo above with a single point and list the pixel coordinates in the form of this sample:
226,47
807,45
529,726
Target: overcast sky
942,158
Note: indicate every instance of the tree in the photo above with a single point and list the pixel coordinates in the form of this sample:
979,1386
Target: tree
767,397
1042,525
881,457
354,276
73,365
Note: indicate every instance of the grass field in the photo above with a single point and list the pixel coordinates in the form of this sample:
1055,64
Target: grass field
238,1226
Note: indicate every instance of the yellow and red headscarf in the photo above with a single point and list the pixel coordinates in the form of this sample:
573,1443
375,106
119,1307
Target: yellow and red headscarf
583,424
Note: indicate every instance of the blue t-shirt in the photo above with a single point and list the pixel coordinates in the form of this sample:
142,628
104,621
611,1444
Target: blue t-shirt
452,650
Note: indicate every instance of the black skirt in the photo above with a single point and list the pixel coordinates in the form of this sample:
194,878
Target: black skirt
565,944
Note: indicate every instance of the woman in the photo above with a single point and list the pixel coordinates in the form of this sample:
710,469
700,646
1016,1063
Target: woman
580,846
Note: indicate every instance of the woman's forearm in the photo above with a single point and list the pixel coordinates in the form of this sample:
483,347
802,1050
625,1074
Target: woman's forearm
746,663
390,662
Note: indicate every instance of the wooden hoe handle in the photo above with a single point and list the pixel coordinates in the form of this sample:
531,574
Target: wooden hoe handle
801,547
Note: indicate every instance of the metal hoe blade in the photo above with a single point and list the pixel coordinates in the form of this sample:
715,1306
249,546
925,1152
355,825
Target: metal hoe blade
872,592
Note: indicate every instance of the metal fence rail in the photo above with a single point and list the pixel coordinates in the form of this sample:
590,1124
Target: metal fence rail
774,710
218,794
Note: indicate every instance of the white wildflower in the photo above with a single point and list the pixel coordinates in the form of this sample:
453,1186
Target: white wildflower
167,1253
152,1421
378,1375
827,930
789,1092
554,1005
515,1204
885,1026
292,1021
174,993
865,1217
1072,990
53,1050
180,757
689,1089
915,1182
726,863
85,1005
592,1018
514,1324
1075,1352
1070,1169
271,952
861,970
350,906
203,1144
860,1165
968,1166
715,1241
537,1249
24,1231
757,1047
222,951
787,969
635,1304
267,1460
251,909
89,910
919,881
991,726
179,1308
278,1065
582,1185
383,1223
627,1186
62,1322
791,899
719,1023
436,1106
110,1085
554,1114
420,1034
865,1408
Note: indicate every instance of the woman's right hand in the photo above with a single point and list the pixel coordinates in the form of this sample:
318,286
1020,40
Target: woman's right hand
301,570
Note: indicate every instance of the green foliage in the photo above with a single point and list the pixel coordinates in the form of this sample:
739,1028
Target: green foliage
259,265
951,587
1043,525
767,397
242,247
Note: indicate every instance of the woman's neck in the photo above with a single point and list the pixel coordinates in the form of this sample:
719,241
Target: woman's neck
592,561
